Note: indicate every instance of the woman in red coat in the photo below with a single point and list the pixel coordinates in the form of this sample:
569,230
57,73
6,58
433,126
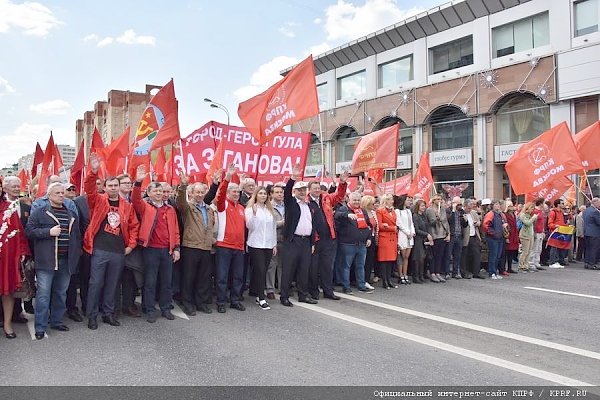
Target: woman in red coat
13,248
511,245
387,239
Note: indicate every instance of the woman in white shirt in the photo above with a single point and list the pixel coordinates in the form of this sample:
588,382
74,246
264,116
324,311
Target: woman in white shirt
406,234
262,241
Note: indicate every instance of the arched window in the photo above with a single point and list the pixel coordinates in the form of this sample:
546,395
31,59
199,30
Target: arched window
405,135
344,138
521,117
314,153
450,129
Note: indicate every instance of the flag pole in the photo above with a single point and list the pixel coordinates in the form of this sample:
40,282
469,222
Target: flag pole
322,148
582,192
182,159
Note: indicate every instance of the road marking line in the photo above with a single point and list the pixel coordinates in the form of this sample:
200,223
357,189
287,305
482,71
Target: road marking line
589,296
537,373
479,328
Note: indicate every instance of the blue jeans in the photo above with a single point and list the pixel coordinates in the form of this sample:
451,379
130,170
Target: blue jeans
456,247
105,274
557,255
495,247
158,263
353,255
51,284
229,260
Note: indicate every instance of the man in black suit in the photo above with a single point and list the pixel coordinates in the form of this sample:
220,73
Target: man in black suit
12,187
297,240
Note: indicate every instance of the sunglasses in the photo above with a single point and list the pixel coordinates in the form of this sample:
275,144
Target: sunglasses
72,189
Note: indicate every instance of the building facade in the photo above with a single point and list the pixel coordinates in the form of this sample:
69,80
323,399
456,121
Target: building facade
67,153
112,116
469,82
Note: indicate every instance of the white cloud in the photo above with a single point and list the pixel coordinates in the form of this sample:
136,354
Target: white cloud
5,87
319,49
265,76
91,37
105,42
287,32
52,107
317,21
22,140
345,21
32,18
130,37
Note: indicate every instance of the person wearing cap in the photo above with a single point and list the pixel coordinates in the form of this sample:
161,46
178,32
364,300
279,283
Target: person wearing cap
54,230
70,191
231,241
111,235
298,240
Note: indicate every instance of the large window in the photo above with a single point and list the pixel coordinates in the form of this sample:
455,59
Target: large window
352,86
451,129
521,118
395,72
345,138
451,55
405,135
521,35
314,153
586,17
323,96
454,182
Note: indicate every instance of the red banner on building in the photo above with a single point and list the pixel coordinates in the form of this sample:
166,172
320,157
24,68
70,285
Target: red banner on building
273,162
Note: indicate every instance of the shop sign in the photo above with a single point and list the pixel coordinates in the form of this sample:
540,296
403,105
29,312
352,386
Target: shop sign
451,157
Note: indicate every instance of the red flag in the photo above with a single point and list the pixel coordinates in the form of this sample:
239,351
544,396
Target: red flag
375,174
548,157
115,152
292,99
376,150
97,142
58,162
47,166
587,143
77,168
159,125
217,161
398,186
38,158
159,165
24,177
423,181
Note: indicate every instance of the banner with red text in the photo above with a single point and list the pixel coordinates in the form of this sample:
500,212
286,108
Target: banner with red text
552,191
397,186
273,162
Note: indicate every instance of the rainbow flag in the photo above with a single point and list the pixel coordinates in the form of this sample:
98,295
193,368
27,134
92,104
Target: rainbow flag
561,237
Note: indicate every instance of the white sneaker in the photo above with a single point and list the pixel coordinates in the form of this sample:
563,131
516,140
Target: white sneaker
368,286
499,277
263,305
494,276
555,266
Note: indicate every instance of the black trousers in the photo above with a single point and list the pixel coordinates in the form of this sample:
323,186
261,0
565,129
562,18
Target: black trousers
196,268
81,279
296,263
471,258
321,268
580,248
128,289
260,259
592,250
370,261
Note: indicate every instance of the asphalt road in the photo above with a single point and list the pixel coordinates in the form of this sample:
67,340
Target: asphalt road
464,332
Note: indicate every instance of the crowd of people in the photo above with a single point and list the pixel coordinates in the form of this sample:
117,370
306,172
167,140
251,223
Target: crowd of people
202,244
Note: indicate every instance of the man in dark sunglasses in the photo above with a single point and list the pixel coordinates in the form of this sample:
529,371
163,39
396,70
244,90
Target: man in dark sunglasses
70,191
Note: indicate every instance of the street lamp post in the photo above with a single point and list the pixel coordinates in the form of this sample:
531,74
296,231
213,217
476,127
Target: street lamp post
220,106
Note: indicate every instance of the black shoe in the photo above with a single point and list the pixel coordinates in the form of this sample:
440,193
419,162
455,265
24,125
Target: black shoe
92,324
10,335
151,318
309,300
416,280
238,306
19,319
40,335
595,267
347,291
221,308
62,328
168,315
75,316
540,268
271,296
314,297
109,319
468,276
28,306
286,302
331,297
204,308
132,311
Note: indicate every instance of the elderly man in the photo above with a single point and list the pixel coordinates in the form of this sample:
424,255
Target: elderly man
43,201
231,240
591,221
196,244
298,240
248,185
56,237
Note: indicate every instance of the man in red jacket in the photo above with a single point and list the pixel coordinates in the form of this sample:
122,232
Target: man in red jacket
111,235
159,235
230,242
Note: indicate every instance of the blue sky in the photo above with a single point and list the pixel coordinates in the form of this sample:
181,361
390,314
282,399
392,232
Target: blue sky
59,57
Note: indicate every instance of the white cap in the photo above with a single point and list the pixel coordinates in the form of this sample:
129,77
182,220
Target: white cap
486,202
300,185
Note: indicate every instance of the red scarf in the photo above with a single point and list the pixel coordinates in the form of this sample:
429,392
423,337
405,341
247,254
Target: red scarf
360,218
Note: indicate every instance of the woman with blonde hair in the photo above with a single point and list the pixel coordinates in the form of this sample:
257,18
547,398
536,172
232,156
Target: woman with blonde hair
262,241
367,203
526,234
387,239
406,234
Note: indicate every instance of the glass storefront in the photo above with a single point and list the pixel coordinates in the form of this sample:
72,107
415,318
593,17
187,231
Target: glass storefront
452,182
521,118
450,129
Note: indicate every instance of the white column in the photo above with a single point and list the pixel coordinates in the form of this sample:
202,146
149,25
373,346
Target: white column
480,173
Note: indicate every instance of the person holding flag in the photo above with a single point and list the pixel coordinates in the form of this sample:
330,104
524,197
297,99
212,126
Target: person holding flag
560,235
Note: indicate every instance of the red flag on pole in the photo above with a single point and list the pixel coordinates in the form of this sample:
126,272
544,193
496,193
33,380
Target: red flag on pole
587,143
159,165
24,178
58,162
38,158
77,168
376,150
97,142
292,99
47,166
116,151
540,161
423,181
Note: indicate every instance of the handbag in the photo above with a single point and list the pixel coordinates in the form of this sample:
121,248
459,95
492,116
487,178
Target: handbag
28,288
